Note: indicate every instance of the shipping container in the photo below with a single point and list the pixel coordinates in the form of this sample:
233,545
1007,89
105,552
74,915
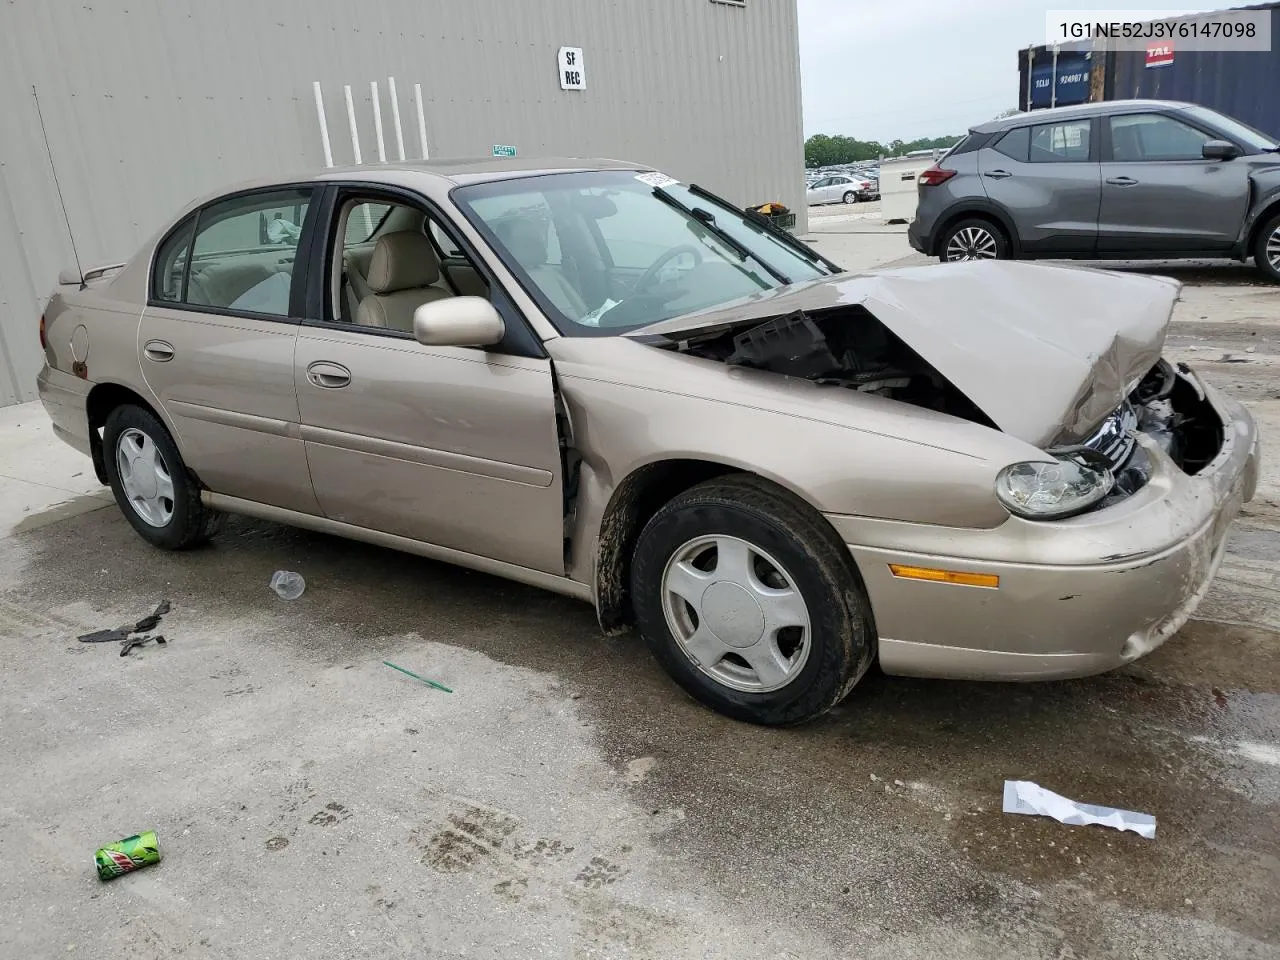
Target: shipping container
1241,84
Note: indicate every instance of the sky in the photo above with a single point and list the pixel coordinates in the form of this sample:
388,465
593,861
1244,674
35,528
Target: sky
903,69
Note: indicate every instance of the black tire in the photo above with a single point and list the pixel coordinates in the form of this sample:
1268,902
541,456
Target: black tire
191,522
850,197
956,232
842,632
1268,235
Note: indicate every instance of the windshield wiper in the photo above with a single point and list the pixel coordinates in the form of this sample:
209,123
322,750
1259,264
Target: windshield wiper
806,251
705,218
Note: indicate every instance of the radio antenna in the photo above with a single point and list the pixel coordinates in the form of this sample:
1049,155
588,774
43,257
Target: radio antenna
65,219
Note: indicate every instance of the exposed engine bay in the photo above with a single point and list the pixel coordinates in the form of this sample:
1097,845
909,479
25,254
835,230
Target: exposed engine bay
852,349
856,352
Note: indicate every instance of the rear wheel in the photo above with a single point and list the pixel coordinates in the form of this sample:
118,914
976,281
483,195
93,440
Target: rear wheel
155,491
850,197
1266,250
973,239
751,603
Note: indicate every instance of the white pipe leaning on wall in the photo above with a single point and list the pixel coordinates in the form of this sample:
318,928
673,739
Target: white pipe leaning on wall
324,124
422,123
395,116
351,119
377,120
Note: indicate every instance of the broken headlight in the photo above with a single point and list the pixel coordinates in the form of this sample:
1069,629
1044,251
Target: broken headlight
1051,489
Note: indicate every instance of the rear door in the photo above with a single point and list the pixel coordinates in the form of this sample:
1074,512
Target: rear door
1048,179
1160,194
216,343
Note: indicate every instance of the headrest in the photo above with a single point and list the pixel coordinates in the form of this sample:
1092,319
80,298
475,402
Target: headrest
526,240
403,261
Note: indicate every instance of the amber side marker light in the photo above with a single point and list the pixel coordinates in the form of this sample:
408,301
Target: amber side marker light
945,576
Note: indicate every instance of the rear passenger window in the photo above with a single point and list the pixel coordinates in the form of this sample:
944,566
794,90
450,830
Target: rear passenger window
1015,144
242,256
1060,142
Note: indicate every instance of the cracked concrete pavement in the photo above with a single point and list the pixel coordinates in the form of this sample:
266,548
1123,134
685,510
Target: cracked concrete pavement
566,800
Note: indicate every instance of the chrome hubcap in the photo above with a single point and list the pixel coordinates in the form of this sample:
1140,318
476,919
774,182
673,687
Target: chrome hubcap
145,477
736,613
1273,249
972,243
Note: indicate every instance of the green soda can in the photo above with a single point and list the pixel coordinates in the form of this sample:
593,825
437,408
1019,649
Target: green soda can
131,853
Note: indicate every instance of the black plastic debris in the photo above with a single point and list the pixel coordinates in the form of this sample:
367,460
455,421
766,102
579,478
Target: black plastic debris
123,634
139,641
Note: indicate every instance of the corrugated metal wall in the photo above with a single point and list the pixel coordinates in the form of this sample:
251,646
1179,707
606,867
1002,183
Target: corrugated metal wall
148,103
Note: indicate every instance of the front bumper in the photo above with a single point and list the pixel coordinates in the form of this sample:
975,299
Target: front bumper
1075,597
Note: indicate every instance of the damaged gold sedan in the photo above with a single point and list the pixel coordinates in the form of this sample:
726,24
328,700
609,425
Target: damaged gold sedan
595,379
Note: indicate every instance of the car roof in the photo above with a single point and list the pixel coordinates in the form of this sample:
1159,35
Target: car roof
1102,108
466,170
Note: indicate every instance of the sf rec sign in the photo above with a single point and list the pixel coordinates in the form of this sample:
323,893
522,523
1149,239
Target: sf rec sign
573,71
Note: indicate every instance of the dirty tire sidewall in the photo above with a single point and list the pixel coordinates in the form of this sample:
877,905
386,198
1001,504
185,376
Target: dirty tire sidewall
842,632
1269,230
191,522
1003,249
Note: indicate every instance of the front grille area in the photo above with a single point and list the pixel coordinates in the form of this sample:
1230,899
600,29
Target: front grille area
1112,439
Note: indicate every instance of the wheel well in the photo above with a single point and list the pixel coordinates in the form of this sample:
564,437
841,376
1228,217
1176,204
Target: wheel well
1263,219
102,399
633,504
985,215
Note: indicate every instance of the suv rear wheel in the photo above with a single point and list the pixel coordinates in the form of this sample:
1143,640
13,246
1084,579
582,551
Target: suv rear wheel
973,239
1266,250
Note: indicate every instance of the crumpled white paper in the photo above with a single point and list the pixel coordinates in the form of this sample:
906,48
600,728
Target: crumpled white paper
1023,796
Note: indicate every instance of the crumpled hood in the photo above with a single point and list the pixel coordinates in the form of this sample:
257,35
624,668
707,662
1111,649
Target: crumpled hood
1046,352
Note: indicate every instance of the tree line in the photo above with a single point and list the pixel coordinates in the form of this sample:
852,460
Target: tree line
824,151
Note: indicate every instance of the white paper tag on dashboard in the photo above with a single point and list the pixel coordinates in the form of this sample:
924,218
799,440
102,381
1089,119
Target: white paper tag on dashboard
656,179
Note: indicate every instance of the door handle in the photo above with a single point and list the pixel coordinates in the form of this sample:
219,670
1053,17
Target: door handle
330,376
998,174
158,350
1121,181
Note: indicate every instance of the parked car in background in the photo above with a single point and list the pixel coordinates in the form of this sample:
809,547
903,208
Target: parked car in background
597,380
1124,179
838,189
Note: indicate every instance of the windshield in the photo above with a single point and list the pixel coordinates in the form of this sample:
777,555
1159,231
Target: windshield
1253,141
608,251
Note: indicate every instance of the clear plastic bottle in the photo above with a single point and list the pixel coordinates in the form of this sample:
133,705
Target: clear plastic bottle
287,584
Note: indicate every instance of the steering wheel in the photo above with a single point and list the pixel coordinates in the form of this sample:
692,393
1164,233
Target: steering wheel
647,278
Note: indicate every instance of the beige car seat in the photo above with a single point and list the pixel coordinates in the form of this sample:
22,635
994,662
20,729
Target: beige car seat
401,273
527,243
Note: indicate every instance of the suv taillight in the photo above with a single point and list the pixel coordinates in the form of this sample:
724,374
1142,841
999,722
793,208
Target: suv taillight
44,338
935,175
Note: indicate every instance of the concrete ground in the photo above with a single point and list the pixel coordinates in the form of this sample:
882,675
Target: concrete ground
565,800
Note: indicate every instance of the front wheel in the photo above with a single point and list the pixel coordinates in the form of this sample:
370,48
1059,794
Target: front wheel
850,197
1266,251
751,603
974,239
152,486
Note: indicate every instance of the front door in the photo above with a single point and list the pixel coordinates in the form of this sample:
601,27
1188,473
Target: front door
1159,193
1046,177
456,447
216,345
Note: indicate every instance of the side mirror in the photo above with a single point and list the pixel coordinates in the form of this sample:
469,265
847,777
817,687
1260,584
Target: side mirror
1220,150
458,322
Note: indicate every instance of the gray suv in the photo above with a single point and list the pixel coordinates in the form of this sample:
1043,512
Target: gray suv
1125,179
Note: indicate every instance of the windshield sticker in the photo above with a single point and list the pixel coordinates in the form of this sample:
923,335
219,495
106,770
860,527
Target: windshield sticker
656,179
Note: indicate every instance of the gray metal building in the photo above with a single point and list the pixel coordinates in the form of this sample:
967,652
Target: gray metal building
147,103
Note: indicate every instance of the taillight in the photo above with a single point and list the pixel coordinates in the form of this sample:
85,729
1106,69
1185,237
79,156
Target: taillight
935,175
44,338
